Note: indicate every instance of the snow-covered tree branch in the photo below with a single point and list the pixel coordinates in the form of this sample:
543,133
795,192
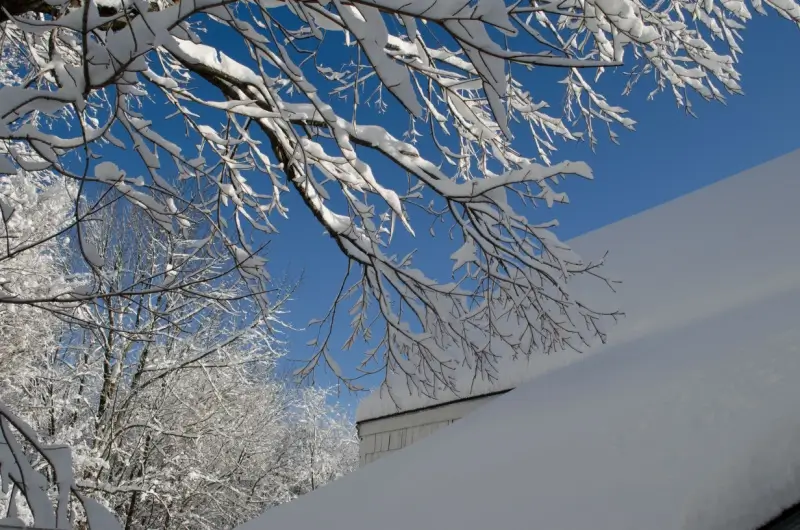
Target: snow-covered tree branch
22,477
268,97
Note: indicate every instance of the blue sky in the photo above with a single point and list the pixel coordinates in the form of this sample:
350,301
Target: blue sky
667,156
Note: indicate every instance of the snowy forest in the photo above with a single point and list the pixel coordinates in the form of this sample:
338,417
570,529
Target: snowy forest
149,152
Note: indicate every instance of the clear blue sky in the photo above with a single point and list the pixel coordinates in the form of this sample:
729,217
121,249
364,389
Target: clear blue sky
669,155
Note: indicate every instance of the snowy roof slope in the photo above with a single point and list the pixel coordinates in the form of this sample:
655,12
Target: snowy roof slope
695,428
692,257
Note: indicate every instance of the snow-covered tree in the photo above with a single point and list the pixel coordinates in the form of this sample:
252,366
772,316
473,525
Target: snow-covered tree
170,400
34,206
326,447
229,105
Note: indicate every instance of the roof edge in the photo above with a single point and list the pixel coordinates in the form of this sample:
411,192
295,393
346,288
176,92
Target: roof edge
438,405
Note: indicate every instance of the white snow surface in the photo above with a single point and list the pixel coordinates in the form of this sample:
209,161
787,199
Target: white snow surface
687,421
695,428
701,254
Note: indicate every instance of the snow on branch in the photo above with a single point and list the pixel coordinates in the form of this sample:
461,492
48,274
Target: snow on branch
24,476
383,116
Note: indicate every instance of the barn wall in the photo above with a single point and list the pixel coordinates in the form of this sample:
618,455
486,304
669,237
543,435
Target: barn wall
383,436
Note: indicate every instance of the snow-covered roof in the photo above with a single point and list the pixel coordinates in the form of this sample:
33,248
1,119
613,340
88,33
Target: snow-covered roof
693,429
686,259
689,423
